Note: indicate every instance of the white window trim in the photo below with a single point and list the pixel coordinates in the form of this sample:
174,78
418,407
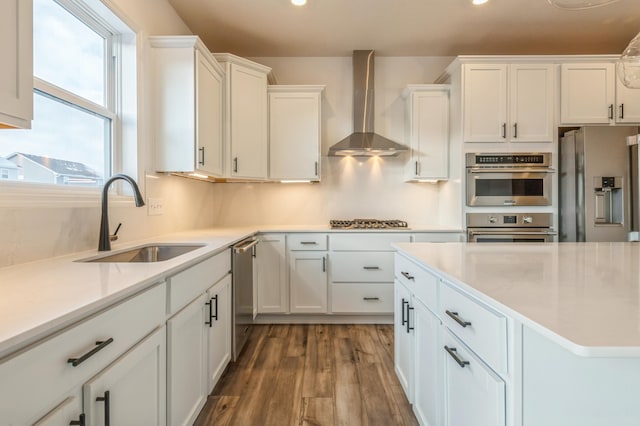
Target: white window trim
28,194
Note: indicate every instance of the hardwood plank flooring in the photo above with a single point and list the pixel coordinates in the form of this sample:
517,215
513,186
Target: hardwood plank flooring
311,374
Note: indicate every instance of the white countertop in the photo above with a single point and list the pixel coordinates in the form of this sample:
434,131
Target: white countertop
584,296
41,297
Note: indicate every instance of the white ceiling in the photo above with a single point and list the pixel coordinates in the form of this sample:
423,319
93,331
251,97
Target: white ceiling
408,27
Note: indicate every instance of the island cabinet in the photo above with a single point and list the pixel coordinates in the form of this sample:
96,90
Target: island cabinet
592,94
448,348
271,274
508,102
198,335
116,355
188,102
295,132
308,265
16,72
245,117
427,125
362,272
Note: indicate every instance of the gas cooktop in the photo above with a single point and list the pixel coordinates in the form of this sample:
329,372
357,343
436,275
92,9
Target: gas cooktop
367,224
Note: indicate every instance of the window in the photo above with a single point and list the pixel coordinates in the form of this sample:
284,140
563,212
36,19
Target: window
4,173
75,137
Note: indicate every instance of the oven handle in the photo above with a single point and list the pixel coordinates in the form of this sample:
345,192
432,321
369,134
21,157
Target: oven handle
510,170
472,232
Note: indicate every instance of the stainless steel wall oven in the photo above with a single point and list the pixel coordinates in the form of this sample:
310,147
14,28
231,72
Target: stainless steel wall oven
497,179
510,228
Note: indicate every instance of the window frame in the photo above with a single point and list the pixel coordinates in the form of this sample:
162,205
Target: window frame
122,153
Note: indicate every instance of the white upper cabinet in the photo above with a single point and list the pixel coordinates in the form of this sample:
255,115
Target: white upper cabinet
295,132
188,91
587,94
16,71
428,131
627,107
508,102
245,117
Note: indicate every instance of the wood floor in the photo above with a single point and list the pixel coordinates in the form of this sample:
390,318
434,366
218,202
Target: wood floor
311,375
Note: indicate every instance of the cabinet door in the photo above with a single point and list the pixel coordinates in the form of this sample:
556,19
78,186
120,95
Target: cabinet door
403,339
485,103
308,281
186,366
248,123
427,369
294,135
474,395
208,117
531,103
131,391
64,413
271,274
586,93
627,104
430,134
16,72
219,329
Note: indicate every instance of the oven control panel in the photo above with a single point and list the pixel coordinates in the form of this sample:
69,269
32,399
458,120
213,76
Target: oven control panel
534,159
510,220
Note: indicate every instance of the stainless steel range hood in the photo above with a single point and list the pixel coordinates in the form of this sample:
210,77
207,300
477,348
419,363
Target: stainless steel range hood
363,142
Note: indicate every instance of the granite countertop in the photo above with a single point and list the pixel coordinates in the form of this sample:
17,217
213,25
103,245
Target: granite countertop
584,296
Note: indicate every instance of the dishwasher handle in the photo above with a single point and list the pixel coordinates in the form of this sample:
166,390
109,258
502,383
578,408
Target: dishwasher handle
245,245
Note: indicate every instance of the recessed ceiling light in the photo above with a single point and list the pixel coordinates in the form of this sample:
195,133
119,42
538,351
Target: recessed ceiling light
477,2
299,2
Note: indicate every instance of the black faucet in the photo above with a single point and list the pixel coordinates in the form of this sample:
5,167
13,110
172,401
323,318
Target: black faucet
105,243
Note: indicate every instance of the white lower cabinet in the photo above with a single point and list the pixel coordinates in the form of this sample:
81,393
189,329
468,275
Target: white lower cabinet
271,274
68,412
473,393
132,389
403,339
427,352
308,281
218,326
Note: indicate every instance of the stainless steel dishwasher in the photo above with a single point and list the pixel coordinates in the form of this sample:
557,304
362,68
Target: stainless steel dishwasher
242,265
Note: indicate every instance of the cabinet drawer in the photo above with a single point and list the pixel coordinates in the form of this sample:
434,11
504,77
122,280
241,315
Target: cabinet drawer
365,267
367,242
191,283
422,283
307,241
479,327
362,298
33,382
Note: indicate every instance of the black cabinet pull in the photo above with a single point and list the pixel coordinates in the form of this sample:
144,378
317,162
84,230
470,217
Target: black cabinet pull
308,243
409,309
99,346
105,399
235,165
457,319
316,168
456,358
404,302
370,298
215,299
611,112
371,268
209,322
324,264
504,130
79,422
201,161
407,276
621,110
417,173
515,130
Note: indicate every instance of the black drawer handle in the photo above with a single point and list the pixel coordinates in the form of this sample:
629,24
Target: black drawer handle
106,401
456,358
209,322
457,319
371,268
409,309
215,299
99,346
370,298
407,275
307,243
79,422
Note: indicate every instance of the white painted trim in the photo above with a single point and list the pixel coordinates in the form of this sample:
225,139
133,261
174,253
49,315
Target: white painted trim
323,319
26,194
295,88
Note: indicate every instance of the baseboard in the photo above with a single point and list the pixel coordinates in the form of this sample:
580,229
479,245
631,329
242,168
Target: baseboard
322,319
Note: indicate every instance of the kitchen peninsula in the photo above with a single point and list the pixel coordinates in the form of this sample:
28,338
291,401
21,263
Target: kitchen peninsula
532,333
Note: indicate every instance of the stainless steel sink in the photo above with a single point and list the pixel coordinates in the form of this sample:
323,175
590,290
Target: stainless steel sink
147,253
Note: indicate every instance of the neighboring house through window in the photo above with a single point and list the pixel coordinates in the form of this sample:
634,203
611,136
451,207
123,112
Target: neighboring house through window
75,137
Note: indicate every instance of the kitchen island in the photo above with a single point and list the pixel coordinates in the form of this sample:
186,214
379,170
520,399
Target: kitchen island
546,334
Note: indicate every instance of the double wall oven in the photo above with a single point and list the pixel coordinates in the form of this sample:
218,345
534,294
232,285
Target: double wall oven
509,179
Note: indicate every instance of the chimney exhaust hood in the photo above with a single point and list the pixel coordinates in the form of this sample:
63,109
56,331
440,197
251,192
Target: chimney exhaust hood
363,142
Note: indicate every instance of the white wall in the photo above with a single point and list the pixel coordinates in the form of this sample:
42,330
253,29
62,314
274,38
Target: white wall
350,187
33,229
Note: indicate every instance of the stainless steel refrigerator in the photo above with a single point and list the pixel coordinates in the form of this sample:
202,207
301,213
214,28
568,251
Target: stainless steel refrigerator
634,187
594,175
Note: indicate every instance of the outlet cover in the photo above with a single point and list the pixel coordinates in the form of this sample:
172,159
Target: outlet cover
155,206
